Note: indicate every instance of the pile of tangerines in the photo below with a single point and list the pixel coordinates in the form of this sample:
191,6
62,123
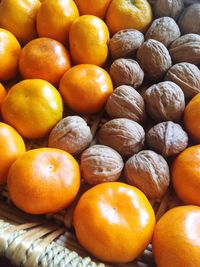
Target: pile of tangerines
54,52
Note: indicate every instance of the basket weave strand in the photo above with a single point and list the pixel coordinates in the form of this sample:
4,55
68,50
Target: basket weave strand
27,247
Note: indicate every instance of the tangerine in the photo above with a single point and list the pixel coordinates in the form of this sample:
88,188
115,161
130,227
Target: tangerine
48,24
2,94
114,222
85,88
91,7
9,56
44,58
11,148
192,118
44,180
186,175
126,14
88,39
32,107
176,239
19,17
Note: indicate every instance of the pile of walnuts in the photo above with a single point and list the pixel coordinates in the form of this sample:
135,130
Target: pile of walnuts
155,75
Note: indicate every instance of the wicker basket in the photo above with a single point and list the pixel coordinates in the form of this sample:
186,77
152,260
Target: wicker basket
49,241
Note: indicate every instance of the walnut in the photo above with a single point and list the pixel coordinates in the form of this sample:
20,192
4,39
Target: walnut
189,21
124,135
187,76
125,43
169,8
167,138
154,59
126,102
101,164
165,101
186,49
71,134
149,172
164,30
126,71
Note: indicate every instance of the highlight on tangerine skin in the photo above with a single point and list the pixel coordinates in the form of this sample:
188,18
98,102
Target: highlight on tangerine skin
44,180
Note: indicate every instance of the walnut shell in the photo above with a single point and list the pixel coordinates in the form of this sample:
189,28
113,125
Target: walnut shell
101,164
125,43
126,71
187,76
154,59
165,101
169,8
71,134
124,135
126,102
164,30
189,21
167,138
186,49
149,172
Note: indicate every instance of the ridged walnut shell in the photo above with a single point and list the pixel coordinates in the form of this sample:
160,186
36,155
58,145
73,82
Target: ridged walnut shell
126,71
186,49
187,76
154,59
165,101
164,30
169,8
167,138
126,102
149,172
101,164
189,21
125,43
71,134
124,135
